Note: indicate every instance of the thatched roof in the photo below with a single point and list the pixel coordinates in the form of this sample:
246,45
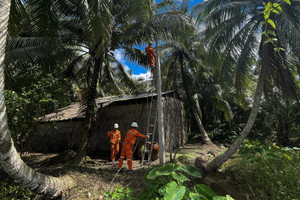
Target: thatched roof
75,111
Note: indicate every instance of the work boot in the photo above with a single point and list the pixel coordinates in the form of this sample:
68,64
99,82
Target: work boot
130,171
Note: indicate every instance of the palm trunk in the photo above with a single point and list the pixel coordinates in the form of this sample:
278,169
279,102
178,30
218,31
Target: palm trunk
89,114
204,135
219,160
9,157
266,53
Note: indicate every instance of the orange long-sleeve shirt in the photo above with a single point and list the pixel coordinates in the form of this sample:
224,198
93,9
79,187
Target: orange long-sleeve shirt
131,135
115,136
150,54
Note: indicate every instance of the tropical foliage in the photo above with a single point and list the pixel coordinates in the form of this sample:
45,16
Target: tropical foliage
170,182
235,64
268,171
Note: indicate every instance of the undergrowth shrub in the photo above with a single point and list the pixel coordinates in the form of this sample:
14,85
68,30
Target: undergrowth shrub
12,191
169,182
268,172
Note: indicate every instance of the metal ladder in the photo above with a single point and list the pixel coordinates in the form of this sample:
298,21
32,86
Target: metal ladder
151,127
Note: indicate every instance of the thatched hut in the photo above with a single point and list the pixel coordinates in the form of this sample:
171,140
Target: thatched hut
60,131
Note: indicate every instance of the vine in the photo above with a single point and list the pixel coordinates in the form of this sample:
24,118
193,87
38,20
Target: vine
273,8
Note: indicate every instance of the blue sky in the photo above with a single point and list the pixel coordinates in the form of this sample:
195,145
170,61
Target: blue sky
137,70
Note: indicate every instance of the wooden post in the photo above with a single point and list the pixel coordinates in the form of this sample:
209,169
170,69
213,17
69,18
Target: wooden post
161,135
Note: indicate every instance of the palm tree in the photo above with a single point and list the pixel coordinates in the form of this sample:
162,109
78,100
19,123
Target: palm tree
132,22
233,29
9,158
93,30
176,62
169,23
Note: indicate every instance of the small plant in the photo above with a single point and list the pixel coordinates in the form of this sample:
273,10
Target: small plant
11,191
268,171
121,193
169,182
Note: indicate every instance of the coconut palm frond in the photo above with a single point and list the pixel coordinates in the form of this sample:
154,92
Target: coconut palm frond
19,21
137,55
125,78
45,22
29,50
109,80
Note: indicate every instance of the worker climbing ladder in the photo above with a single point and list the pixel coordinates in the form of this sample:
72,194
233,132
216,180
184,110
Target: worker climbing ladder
151,127
155,113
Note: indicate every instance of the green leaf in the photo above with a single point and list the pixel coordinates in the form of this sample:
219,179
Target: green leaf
275,11
152,173
262,23
271,22
267,41
191,171
174,191
167,169
296,148
205,191
119,189
228,197
180,177
277,6
279,49
271,32
287,157
267,10
288,2
197,196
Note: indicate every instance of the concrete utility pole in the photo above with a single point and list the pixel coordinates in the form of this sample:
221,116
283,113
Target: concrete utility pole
160,122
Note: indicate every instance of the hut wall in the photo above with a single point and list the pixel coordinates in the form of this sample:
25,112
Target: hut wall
124,115
175,126
59,136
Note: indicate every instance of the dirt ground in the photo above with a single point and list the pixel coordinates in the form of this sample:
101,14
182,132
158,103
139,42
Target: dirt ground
95,176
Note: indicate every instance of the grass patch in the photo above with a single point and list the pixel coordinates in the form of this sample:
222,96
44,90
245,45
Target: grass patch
268,172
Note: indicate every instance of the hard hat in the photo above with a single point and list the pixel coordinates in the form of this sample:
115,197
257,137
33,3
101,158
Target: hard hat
150,42
134,125
116,125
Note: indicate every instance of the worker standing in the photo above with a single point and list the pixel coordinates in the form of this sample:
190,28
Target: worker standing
115,138
128,143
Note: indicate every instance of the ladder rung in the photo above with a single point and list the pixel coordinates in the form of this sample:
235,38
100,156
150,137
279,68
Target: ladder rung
147,151
151,124
149,133
148,142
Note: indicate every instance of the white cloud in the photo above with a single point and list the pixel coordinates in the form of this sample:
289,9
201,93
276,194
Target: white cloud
126,67
144,76
119,55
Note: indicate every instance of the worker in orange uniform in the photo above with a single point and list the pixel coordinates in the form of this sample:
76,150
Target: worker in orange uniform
128,144
150,53
151,56
115,138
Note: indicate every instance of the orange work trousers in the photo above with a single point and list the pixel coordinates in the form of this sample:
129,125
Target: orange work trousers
114,149
126,153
